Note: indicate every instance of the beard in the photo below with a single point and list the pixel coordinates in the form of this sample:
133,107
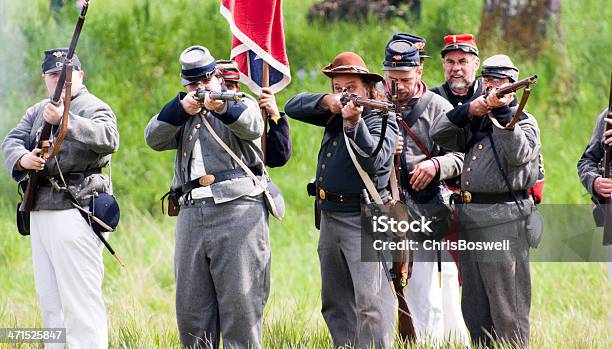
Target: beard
460,85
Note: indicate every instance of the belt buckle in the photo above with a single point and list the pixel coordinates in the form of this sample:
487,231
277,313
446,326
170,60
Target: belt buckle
206,180
466,196
322,194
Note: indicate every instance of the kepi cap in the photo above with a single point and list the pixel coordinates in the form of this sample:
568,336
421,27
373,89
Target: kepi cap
196,64
55,59
500,66
401,55
460,42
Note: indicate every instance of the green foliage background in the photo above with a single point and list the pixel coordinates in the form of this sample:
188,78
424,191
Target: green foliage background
130,50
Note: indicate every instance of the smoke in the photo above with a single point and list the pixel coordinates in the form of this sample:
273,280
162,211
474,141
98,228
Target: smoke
12,72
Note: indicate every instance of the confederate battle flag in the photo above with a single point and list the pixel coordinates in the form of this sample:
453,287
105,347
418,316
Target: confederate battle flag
257,28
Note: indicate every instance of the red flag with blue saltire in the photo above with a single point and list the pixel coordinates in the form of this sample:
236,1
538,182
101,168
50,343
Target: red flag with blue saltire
257,29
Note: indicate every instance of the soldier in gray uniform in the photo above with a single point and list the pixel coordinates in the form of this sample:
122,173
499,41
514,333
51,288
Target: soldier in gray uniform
590,168
222,255
500,165
358,303
67,255
424,164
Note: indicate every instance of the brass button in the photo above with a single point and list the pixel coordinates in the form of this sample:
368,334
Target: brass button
480,146
467,183
185,154
468,169
323,166
198,125
466,196
320,179
322,194
335,143
328,155
190,137
474,157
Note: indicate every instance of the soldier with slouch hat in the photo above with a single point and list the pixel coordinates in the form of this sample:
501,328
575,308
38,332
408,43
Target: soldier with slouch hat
358,303
501,164
67,255
222,254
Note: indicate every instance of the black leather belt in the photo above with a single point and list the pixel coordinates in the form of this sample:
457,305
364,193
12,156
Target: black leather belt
221,176
338,198
71,177
467,197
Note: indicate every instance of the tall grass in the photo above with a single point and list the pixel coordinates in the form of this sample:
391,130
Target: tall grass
129,51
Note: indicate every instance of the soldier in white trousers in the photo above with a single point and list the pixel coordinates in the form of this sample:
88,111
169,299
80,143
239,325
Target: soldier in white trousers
67,255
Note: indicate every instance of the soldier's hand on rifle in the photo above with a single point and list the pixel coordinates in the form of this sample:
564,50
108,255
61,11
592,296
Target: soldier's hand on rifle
213,104
603,186
351,113
399,147
494,102
332,103
608,133
53,114
267,101
423,173
478,107
32,161
191,105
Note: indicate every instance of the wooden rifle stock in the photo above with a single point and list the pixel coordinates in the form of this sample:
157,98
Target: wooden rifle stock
405,325
607,236
365,102
502,91
44,141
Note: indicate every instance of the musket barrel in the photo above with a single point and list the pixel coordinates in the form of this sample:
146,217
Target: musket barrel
221,96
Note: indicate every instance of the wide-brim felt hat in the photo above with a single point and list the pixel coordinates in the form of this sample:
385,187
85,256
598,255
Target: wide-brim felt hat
352,64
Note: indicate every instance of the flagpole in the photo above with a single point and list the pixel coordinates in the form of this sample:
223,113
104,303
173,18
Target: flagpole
265,82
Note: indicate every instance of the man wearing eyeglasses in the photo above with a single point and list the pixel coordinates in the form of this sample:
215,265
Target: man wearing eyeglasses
424,165
460,62
358,304
501,164
222,254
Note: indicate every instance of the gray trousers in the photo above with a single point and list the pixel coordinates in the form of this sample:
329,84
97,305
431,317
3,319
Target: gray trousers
496,296
222,269
358,304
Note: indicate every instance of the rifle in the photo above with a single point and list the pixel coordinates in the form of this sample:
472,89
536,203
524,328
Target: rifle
374,104
399,273
365,102
45,140
502,91
607,162
220,96
525,83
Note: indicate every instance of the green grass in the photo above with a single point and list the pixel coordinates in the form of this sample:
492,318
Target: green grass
130,50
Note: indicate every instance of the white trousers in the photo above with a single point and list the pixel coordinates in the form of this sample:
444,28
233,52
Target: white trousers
68,273
436,311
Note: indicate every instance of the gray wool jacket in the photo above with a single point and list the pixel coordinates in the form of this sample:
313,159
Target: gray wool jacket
589,163
91,139
518,149
239,125
451,163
